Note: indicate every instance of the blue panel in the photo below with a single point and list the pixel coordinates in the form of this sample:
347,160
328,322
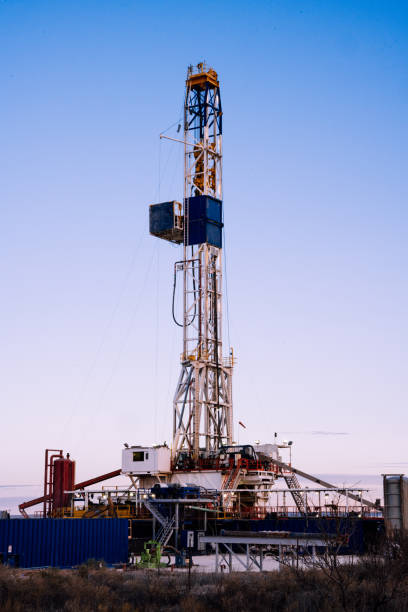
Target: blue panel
204,207
214,234
64,542
205,231
328,525
161,217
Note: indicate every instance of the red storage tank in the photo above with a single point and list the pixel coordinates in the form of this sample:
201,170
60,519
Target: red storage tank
63,480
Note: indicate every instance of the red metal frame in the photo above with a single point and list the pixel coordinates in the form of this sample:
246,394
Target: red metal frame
47,498
49,478
214,463
91,481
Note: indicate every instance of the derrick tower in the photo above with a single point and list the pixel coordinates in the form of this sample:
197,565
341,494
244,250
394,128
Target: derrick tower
202,406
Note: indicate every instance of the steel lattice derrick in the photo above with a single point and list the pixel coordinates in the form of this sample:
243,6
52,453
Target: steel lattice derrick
203,398
203,134
203,408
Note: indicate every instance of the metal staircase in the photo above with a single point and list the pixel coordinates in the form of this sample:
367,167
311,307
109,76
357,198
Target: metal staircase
166,531
167,524
230,482
293,484
153,510
231,478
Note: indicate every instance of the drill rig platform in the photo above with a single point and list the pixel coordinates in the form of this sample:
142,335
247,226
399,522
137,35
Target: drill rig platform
204,480
203,452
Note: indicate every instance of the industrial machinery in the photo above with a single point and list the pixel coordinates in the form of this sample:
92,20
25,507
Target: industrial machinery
59,485
205,477
202,410
203,450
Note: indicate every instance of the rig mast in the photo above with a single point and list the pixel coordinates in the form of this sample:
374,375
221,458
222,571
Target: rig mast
202,406
203,398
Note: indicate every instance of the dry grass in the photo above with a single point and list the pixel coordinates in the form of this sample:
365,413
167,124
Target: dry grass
379,582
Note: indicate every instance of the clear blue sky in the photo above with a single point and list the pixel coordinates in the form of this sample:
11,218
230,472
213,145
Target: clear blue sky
315,191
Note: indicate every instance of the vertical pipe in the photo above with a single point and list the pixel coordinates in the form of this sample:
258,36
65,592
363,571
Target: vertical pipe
229,408
186,195
176,530
196,410
45,483
205,142
200,309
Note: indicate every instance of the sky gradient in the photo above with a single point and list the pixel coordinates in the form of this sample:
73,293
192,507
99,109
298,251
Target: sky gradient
315,189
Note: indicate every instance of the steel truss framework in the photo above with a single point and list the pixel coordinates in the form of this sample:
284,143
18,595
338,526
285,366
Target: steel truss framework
250,551
202,417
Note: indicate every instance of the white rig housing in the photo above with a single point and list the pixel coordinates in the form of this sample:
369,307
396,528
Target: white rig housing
210,479
270,450
146,460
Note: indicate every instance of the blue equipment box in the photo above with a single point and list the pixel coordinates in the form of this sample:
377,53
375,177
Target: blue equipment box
204,207
205,231
204,221
166,221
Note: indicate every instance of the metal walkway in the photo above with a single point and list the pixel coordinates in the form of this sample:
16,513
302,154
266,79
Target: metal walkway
253,546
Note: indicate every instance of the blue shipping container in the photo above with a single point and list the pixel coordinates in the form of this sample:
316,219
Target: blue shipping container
64,542
204,207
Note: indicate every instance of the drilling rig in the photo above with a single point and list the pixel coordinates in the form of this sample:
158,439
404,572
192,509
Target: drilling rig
203,452
202,444
204,465
202,411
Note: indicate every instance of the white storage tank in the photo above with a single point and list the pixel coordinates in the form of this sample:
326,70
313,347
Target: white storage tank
146,460
395,502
